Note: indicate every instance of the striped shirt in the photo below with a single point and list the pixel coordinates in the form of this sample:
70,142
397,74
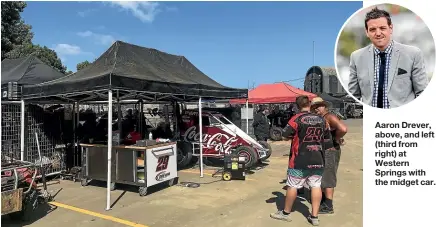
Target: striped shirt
377,63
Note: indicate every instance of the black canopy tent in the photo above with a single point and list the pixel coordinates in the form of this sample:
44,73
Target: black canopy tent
135,72
28,70
25,71
18,73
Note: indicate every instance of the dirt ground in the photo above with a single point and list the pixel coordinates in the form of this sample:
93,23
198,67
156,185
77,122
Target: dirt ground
214,203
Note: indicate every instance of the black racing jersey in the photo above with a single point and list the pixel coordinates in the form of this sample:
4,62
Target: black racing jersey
309,133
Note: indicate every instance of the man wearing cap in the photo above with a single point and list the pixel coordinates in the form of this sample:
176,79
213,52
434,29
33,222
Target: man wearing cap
261,124
333,153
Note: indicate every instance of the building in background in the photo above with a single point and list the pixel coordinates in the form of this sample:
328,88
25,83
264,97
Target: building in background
323,80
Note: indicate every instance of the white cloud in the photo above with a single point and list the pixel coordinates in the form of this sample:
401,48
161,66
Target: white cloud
67,49
99,38
85,34
105,39
63,50
144,11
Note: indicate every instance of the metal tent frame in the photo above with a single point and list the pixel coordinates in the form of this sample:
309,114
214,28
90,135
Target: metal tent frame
116,70
106,96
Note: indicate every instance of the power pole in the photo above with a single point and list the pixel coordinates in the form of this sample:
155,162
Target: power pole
313,54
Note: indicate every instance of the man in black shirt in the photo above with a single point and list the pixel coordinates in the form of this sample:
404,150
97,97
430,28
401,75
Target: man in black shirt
261,124
309,133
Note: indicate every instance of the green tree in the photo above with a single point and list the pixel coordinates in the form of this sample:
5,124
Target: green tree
14,30
45,54
348,43
17,37
82,65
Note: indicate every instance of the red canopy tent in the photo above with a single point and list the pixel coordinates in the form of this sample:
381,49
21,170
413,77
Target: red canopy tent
273,93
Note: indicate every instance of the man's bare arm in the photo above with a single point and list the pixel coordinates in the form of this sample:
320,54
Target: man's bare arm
341,128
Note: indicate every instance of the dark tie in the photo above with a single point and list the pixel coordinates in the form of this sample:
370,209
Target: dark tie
381,80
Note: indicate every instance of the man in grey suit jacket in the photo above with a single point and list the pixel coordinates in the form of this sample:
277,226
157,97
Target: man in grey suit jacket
386,74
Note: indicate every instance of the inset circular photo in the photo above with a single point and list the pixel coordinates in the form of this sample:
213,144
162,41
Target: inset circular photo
385,56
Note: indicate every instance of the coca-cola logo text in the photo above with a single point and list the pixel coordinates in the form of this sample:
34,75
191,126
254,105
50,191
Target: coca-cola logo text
219,142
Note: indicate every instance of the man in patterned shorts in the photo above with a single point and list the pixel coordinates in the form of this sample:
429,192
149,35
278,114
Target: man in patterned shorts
308,132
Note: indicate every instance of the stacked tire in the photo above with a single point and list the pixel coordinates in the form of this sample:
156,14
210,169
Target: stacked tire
275,133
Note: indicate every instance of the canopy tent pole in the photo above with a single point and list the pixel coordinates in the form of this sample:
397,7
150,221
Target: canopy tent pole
246,108
76,139
246,115
200,125
120,116
75,146
22,130
109,151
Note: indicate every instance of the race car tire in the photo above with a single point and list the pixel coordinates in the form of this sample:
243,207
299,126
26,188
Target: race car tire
184,154
267,146
250,155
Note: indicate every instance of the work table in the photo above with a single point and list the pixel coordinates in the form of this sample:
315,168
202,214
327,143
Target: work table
129,147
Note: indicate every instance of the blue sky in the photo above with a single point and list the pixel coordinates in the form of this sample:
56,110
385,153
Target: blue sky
231,42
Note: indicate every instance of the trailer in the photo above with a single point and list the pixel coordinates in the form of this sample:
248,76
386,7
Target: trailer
19,193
